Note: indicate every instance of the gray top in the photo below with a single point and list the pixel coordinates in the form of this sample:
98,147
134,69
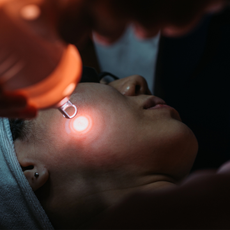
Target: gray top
130,56
20,208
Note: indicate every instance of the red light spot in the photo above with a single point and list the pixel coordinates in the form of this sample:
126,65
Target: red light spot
81,124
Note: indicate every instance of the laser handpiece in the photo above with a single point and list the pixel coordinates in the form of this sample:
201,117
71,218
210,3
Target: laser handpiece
64,105
33,59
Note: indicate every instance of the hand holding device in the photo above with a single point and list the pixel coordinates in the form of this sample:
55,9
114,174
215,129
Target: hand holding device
34,61
15,105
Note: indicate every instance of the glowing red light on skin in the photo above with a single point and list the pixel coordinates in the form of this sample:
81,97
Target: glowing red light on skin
79,125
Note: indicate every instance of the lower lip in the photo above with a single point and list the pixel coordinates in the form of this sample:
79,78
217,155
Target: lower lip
161,106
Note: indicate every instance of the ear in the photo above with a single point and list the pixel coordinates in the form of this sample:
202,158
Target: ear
36,174
30,162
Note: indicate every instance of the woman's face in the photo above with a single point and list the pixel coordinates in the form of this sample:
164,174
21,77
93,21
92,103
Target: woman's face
121,133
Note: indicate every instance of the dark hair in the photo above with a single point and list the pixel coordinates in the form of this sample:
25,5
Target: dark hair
18,128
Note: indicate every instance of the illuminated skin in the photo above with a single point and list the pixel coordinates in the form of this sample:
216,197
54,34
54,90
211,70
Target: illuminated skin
81,124
128,145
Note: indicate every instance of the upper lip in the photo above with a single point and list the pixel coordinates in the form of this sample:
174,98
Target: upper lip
153,101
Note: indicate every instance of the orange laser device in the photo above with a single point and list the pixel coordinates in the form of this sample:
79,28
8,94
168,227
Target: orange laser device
33,58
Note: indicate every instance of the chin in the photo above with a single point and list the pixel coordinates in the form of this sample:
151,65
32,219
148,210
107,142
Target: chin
180,149
188,150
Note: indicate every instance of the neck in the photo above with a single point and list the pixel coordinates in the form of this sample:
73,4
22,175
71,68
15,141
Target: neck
85,209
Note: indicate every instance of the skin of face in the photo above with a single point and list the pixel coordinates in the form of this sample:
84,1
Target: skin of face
125,148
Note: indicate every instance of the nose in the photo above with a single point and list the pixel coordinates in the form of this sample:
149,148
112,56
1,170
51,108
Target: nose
131,86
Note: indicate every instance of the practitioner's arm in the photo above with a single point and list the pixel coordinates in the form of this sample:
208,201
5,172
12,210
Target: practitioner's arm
109,18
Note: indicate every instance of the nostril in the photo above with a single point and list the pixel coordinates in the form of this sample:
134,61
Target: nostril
137,89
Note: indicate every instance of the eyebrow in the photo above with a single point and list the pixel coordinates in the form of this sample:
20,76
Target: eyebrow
106,77
90,75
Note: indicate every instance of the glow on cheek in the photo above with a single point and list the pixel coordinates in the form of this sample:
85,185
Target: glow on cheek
79,125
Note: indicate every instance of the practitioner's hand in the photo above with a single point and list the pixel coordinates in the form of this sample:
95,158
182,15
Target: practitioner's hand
14,105
109,18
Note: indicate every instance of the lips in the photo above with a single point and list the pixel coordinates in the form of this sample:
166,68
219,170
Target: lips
154,102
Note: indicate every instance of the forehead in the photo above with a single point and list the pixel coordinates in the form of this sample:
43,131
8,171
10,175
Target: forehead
88,90
96,95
